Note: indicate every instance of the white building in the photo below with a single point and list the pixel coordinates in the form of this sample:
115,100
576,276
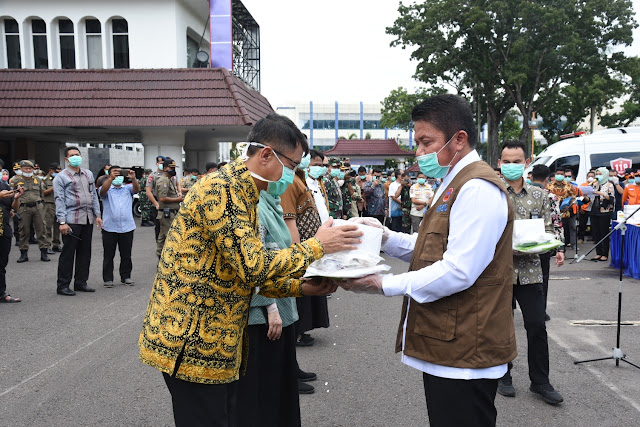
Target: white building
352,119
102,37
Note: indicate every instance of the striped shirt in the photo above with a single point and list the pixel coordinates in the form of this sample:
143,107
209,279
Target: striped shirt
75,196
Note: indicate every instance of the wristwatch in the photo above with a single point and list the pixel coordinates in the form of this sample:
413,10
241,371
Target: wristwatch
62,223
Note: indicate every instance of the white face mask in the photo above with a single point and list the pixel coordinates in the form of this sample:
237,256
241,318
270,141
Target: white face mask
27,174
590,179
341,182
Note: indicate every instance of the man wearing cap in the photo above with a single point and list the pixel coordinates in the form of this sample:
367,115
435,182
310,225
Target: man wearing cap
169,199
149,187
31,211
334,194
51,226
77,209
344,182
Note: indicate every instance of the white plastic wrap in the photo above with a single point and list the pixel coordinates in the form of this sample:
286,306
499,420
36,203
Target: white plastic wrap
352,264
529,237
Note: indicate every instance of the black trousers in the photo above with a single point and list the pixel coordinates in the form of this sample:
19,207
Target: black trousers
5,249
460,402
155,220
396,223
583,218
545,263
531,301
124,242
78,252
196,404
600,226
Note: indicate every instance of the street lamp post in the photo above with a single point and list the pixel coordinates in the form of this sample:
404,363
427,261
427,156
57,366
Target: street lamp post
533,124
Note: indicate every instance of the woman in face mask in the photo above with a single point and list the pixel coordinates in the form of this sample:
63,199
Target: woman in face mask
603,203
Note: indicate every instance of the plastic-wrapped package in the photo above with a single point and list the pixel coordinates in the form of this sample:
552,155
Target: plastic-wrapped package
529,237
352,264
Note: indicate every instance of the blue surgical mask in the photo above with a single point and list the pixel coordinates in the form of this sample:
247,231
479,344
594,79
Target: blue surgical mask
335,173
160,166
277,188
512,171
54,174
75,161
304,163
317,171
393,179
362,177
567,178
528,181
631,180
383,179
421,181
118,180
430,166
193,177
559,178
341,175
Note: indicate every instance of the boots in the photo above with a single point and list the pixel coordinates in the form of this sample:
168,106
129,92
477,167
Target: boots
23,256
43,255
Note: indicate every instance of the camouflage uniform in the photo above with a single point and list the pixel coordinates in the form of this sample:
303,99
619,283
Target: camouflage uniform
145,204
334,196
52,228
347,199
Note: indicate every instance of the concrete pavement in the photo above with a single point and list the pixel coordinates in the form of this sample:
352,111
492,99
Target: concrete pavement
72,361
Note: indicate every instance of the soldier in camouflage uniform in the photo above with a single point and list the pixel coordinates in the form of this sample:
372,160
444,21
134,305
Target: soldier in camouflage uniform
145,204
334,194
52,228
347,189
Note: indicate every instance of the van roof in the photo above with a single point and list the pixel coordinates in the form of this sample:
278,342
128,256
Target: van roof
598,141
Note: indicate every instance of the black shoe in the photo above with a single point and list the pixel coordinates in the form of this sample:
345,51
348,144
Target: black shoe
506,388
66,291
44,256
308,338
547,317
50,251
304,388
33,242
547,392
57,249
305,341
23,257
306,376
84,288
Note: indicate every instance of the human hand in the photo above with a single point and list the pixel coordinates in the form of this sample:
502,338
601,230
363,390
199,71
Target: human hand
131,174
318,286
18,193
616,180
65,229
371,284
99,223
559,258
113,173
6,193
336,239
157,205
275,325
372,222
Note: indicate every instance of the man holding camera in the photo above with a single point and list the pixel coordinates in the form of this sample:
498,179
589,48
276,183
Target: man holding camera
117,200
169,199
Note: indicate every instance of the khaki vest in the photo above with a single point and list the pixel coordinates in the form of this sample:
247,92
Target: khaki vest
473,328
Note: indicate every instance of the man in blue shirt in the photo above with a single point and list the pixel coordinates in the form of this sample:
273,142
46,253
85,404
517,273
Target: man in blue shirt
118,224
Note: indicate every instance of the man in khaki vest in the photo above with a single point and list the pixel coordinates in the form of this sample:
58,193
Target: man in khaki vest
457,323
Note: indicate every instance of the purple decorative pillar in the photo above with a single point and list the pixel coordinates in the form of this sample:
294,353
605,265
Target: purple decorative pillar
221,37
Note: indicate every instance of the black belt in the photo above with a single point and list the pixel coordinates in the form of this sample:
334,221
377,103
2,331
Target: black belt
32,204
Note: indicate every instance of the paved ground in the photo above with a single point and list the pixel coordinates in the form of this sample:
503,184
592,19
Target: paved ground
72,361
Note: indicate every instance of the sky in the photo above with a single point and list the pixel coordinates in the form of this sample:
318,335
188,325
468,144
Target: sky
336,50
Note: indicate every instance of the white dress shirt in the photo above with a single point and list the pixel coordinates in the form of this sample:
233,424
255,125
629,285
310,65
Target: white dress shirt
477,220
318,197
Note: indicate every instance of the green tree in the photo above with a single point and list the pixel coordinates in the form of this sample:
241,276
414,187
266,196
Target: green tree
397,106
630,108
509,127
510,52
367,135
353,136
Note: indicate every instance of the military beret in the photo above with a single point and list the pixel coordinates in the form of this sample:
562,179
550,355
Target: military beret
335,162
26,163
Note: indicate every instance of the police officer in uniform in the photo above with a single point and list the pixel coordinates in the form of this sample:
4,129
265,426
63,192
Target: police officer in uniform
31,211
52,228
149,190
169,199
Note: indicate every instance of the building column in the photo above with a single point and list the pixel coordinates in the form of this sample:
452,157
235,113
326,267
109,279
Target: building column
199,158
163,142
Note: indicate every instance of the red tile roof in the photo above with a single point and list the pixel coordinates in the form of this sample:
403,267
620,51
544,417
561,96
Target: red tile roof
368,148
128,98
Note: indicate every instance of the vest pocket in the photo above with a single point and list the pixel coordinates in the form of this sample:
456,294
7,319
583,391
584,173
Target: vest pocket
437,322
435,245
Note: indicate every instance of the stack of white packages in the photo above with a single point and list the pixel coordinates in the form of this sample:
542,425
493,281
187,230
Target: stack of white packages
352,264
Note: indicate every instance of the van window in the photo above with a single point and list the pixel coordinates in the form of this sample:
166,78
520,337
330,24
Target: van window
540,161
572,162
604,159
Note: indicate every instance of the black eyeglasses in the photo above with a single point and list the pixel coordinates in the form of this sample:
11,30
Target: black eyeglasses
288,158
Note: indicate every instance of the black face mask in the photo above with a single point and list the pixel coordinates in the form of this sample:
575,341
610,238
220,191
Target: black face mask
171,172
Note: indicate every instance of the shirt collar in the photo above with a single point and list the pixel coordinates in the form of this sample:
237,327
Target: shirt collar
465,161
526,188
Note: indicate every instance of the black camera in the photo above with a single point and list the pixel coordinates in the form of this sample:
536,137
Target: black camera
167,212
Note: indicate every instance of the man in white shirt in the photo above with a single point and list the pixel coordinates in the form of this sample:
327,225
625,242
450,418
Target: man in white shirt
456,325
421,195
318,168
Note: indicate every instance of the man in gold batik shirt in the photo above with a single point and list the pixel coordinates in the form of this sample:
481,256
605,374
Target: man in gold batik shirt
210,267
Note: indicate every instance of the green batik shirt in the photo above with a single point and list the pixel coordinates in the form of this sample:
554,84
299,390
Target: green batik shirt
530,203
334,196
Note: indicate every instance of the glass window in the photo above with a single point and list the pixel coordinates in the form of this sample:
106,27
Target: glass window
94,43
120,43
39,32
192,50
67,45
604,159
12,37
572,162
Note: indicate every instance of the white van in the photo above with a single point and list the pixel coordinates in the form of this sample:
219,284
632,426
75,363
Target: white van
583,153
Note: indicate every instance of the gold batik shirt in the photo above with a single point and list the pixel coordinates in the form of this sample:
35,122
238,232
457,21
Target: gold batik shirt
211,264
